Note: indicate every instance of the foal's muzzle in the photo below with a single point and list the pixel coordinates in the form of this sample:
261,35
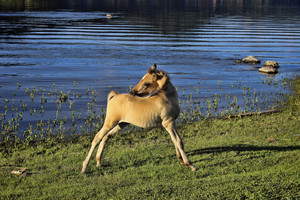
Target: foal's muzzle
133,92
136,93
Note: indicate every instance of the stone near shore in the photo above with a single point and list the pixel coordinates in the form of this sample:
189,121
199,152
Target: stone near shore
270,63
270,67
251,59
268,70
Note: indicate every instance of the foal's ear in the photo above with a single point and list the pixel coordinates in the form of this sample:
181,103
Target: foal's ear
162,80
152,69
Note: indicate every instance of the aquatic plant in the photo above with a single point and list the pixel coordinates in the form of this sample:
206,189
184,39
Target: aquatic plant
54,112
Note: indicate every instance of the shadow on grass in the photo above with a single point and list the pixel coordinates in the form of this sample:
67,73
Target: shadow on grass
241,148
109,168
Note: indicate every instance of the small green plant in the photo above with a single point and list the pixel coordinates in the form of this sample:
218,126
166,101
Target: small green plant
67,115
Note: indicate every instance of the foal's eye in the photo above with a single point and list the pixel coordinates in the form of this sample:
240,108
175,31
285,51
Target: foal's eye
147,84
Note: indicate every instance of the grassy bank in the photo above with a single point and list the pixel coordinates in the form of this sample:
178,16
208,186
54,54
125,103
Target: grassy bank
254,157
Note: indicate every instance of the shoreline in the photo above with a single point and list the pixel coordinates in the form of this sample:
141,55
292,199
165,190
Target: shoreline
58,113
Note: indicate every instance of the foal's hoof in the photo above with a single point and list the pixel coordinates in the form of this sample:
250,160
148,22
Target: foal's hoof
192,168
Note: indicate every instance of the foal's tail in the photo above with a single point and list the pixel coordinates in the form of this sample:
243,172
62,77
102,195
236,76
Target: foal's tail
111,95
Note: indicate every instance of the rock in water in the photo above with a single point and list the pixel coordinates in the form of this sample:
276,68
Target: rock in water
270,63
251,59
268,69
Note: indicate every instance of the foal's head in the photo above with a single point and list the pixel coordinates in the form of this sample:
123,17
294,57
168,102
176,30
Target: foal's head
154,80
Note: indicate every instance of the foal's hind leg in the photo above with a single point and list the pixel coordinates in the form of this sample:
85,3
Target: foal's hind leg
106,127
171,128
102,143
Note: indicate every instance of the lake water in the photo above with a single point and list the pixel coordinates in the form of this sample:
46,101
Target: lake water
70,42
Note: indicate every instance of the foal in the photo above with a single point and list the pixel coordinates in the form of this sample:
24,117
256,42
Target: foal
151,103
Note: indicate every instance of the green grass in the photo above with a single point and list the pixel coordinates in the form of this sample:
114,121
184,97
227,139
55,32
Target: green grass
254,157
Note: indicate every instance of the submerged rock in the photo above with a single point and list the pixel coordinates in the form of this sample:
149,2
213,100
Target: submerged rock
270,67
251,59
268,70
270,63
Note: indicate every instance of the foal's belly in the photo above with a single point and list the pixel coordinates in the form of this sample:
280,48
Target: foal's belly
145,123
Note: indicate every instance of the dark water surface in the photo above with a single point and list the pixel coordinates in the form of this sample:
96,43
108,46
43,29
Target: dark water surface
44,42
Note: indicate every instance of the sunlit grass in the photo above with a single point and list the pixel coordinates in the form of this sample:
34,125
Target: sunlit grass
255,157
